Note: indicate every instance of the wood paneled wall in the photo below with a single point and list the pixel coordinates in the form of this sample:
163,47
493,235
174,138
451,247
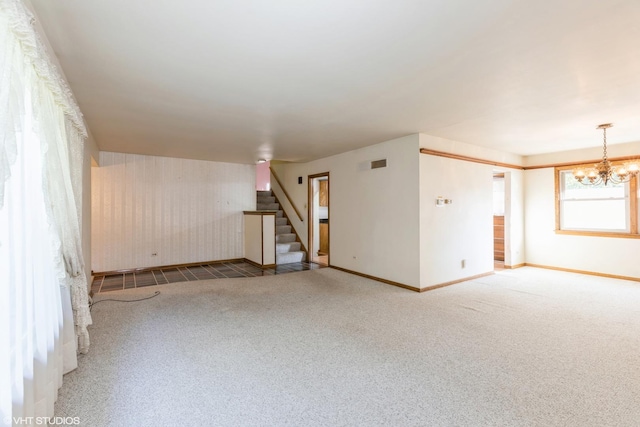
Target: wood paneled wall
324,193
498,238
181,210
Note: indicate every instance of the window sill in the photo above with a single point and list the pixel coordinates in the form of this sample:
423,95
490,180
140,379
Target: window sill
598,234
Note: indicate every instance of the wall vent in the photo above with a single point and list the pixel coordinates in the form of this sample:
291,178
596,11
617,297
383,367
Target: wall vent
379,164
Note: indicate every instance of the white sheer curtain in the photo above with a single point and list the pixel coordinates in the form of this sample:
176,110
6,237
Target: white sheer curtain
43,288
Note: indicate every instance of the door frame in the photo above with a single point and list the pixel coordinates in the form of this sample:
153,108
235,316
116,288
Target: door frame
509,206
311,217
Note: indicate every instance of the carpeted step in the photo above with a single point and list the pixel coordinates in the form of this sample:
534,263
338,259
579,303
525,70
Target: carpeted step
264,193
290,257
285,238
279,214
282,221
287,247
267,207
283,229
266,200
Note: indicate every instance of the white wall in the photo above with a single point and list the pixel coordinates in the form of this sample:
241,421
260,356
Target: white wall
260,238
253,238
268,239
384,222
499,194
608,255
462,230
514,250
183,210
373,214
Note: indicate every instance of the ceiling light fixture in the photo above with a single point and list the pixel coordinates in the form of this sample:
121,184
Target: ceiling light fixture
606,171
262,161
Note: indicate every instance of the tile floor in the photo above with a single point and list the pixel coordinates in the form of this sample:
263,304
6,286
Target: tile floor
116,282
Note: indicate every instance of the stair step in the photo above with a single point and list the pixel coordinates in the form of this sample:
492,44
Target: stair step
285,238
290,257
282,248
264,193
268,206
279,214
283,229
282,221
269,199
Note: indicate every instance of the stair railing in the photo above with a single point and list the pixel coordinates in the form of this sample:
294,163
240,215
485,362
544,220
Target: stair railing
286,194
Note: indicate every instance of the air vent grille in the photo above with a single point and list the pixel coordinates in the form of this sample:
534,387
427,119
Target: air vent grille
379,164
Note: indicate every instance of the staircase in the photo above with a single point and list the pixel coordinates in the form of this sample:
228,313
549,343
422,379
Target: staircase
288,246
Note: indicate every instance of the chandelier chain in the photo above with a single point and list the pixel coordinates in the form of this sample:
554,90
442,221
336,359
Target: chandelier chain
604,149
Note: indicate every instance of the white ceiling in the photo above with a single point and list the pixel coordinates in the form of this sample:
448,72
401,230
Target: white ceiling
297,80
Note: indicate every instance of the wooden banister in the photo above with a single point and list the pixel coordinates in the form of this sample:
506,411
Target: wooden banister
284,190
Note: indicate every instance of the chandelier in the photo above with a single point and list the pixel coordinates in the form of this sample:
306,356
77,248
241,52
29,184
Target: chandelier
605,171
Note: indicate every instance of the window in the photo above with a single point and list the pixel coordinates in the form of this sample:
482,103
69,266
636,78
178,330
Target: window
41,146
610,210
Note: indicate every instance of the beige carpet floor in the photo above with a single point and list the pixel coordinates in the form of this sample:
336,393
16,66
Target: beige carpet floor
526,347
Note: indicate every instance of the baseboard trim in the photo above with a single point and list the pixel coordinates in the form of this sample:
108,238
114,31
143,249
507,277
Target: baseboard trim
590,273
378,279
453,282
412,288
511,267
164,267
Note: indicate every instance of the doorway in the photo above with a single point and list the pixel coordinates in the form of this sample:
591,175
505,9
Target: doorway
498,220
318,206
